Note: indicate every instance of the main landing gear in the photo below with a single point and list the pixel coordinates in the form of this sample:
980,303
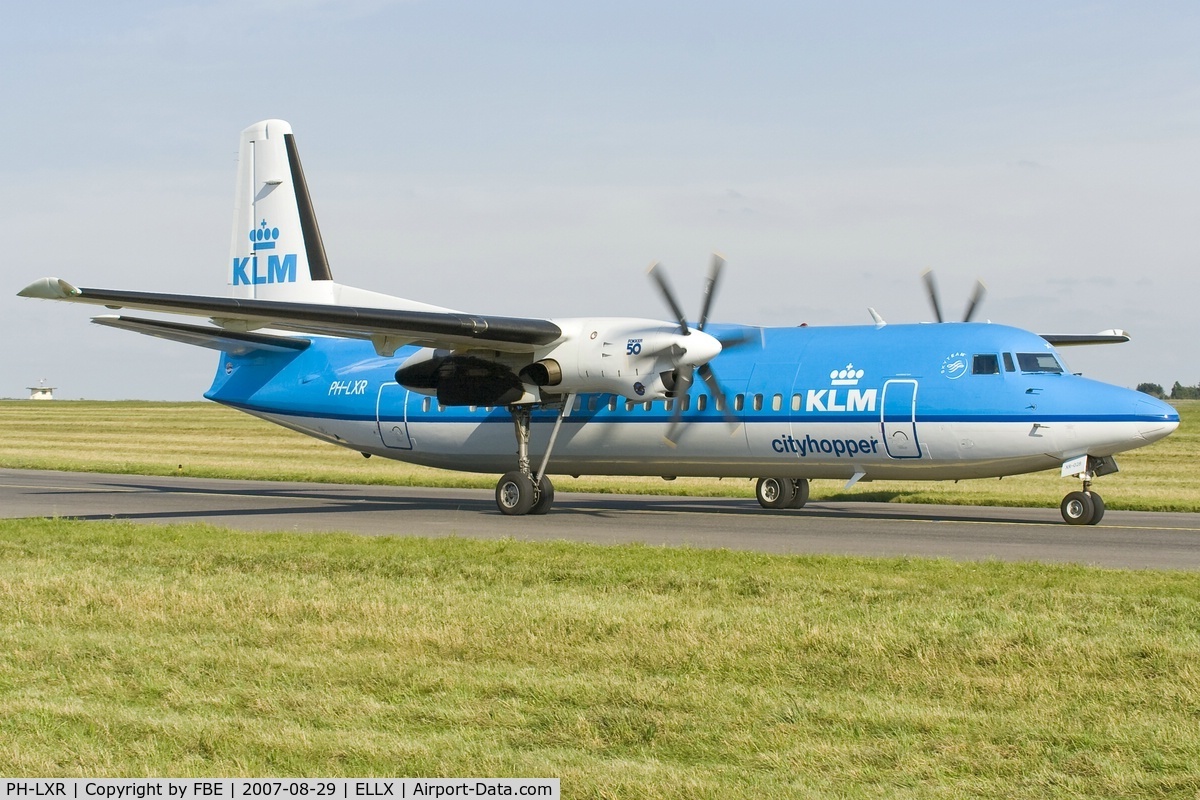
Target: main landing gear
781,492
522,491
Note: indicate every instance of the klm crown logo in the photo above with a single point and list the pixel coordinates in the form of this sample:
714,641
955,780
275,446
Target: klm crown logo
250,271
264,238
846,377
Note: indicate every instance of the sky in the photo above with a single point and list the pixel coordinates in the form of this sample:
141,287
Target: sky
533,158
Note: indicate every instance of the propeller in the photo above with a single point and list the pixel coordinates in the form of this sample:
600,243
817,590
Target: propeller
685,374
977,296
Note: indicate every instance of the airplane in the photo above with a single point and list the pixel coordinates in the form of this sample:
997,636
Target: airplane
392,377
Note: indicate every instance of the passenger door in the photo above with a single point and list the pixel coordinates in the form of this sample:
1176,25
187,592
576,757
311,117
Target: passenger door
391,414
899,418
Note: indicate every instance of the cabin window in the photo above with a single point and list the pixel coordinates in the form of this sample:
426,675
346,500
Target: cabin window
441,407
739,402
578,403
649,404
1008,363
593,402
612,402
668,404
426,403
719,402
629,405
985,364
758,398
797,401
473,409
684,402
702,402
1039,362
777,402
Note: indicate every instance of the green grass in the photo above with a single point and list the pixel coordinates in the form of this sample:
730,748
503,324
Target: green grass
207,440
625,671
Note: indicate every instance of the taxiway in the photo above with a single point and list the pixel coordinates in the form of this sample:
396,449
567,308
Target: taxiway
1125,539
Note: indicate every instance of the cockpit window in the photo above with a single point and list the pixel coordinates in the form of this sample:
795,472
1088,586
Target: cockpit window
985,364
1039,362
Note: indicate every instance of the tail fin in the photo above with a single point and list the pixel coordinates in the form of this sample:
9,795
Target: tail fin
277,247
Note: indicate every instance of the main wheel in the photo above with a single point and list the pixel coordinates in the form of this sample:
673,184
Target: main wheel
545,497
1098,513
1078,508
775,492
801,496
514,494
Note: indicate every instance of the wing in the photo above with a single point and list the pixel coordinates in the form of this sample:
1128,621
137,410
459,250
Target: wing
388,329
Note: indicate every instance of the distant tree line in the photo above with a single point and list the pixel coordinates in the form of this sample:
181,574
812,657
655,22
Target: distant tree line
1178,391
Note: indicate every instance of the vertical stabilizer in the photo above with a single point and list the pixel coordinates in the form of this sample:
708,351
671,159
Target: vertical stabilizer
277,250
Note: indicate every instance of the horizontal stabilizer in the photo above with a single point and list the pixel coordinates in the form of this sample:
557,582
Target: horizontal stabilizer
1113,336
231,342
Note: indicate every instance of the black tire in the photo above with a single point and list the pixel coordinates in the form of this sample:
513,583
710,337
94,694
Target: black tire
1078,508
545,497
801,496
514,494
1098,513
775,492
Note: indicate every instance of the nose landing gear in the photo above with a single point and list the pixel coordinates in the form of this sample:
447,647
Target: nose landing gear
1085,507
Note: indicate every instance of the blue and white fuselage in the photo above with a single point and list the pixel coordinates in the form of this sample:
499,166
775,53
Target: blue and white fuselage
900,401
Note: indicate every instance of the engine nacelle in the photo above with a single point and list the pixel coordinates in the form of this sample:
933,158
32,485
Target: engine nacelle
633,358
462,379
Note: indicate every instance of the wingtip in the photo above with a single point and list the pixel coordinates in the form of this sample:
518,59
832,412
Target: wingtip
49,289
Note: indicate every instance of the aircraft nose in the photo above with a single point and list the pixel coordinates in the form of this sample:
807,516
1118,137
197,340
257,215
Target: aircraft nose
1156,419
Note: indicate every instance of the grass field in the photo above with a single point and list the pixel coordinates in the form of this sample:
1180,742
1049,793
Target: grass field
207,440
625,671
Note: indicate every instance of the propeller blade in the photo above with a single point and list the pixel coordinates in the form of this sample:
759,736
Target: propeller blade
931,290
656,272
714,386
683,384
710,287
745,335
976,298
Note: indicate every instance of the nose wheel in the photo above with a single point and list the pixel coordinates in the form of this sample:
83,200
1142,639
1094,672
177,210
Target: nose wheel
1082,508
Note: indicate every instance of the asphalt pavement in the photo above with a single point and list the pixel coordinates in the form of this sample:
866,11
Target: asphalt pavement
1125,539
